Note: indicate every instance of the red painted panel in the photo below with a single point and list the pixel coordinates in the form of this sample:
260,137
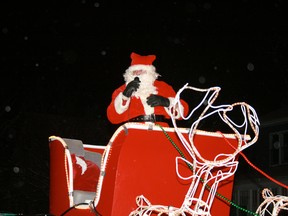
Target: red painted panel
141,162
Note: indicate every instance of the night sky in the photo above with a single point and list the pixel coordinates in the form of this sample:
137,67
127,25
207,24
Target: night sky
61,62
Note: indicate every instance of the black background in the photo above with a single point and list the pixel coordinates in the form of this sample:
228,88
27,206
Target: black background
60,63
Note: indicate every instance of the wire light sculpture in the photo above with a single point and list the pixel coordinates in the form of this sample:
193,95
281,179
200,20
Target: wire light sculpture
272,205
206,172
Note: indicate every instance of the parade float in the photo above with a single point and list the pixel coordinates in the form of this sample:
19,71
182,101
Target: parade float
147,169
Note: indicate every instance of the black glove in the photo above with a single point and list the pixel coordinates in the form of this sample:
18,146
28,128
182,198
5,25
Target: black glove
157,100
131,87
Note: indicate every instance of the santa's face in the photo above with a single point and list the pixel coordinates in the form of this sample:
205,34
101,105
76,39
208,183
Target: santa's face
139,72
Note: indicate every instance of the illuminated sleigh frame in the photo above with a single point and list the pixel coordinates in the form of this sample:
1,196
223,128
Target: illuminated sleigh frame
145,168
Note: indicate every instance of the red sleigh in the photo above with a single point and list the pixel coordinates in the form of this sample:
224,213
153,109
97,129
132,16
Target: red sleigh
139,160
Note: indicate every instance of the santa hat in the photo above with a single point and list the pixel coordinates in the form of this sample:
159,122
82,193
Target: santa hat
141,60
141,63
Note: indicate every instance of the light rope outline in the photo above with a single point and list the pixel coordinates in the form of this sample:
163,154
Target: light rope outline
193,151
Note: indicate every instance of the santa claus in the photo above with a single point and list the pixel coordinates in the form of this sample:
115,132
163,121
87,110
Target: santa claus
143,98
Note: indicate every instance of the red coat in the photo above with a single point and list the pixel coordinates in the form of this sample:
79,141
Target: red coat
136,108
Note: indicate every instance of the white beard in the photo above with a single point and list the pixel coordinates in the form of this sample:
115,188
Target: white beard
147,80
146,87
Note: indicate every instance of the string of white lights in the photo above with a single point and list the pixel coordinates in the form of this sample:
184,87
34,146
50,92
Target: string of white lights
104,161
206,172
272,205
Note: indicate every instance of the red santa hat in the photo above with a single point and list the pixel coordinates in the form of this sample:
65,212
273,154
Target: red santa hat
141,60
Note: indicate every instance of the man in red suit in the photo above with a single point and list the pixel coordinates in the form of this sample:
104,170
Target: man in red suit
143,98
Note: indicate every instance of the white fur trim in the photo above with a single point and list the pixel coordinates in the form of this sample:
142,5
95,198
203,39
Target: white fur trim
142,67
118,103
178,109
147,108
